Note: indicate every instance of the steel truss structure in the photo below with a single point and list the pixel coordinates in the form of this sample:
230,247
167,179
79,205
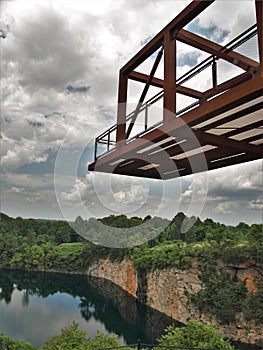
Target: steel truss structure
221,127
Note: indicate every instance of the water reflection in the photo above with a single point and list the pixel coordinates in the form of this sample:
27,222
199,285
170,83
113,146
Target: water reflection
35,306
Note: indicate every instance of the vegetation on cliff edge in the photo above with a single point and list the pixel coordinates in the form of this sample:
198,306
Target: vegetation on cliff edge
31,244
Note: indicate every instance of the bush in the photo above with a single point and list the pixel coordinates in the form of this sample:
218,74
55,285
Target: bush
7,343
72,338
194,335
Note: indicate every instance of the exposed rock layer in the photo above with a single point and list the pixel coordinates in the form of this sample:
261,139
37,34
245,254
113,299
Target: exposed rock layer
166,291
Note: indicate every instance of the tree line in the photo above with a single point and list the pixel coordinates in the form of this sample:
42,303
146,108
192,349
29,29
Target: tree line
42,245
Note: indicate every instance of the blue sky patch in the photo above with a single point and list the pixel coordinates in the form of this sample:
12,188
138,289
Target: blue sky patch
79,89
212,32
146,40
46,167
35,124
188,59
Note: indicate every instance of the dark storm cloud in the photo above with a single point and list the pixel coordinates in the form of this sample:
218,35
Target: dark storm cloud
48,52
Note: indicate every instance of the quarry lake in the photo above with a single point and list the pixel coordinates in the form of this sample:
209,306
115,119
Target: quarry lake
35,306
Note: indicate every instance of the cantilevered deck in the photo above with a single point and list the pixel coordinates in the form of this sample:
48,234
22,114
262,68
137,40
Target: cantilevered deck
221,126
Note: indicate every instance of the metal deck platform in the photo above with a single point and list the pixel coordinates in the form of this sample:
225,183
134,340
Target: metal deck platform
222,127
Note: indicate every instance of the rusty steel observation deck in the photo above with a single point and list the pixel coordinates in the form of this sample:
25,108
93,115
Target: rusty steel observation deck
221,126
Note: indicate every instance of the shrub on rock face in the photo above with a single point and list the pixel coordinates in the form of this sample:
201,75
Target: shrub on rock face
194,335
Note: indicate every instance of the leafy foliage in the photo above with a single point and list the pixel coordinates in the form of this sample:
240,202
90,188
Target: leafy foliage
6,343
252,309
194,335
72,338
39,245
221,297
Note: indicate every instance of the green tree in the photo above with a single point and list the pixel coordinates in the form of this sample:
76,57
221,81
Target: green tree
7,343
37,257
72,338
255,234
17,261
194,335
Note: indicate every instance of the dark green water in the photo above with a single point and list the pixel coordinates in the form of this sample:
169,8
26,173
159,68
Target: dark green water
35,306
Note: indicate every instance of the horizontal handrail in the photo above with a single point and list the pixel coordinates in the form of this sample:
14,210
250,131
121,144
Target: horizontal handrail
140,346
234,43
148,103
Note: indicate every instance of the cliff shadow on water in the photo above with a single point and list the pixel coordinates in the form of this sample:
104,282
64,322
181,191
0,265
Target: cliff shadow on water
100,299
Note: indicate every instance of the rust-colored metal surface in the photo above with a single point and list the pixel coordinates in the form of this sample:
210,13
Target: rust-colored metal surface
221,126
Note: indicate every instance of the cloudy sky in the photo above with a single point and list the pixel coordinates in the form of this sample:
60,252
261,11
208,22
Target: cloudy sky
59,69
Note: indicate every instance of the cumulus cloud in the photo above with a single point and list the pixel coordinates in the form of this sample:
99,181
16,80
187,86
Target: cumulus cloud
226,191
256,204
48,52
241,182
196,190
100,194
59,71
137,193
105,194
27,181
225,208
37,203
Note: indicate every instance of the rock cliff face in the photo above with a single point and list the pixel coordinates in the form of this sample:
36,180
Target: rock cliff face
166,291
121,273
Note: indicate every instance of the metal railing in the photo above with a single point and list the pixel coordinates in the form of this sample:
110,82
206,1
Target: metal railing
106,139
141,346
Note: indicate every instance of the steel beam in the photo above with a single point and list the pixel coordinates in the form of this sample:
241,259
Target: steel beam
223,101
217,50
121,116
233,116
222,141
185,17
142,78
259,15
169,99
225,97
144,92
227,85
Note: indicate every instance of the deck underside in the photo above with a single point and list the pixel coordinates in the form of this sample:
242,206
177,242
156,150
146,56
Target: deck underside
222,127
224,131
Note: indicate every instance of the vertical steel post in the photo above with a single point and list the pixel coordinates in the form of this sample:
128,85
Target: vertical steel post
214,73
95,149
144,92
122,106
146,118
169,99
259,16
108,142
